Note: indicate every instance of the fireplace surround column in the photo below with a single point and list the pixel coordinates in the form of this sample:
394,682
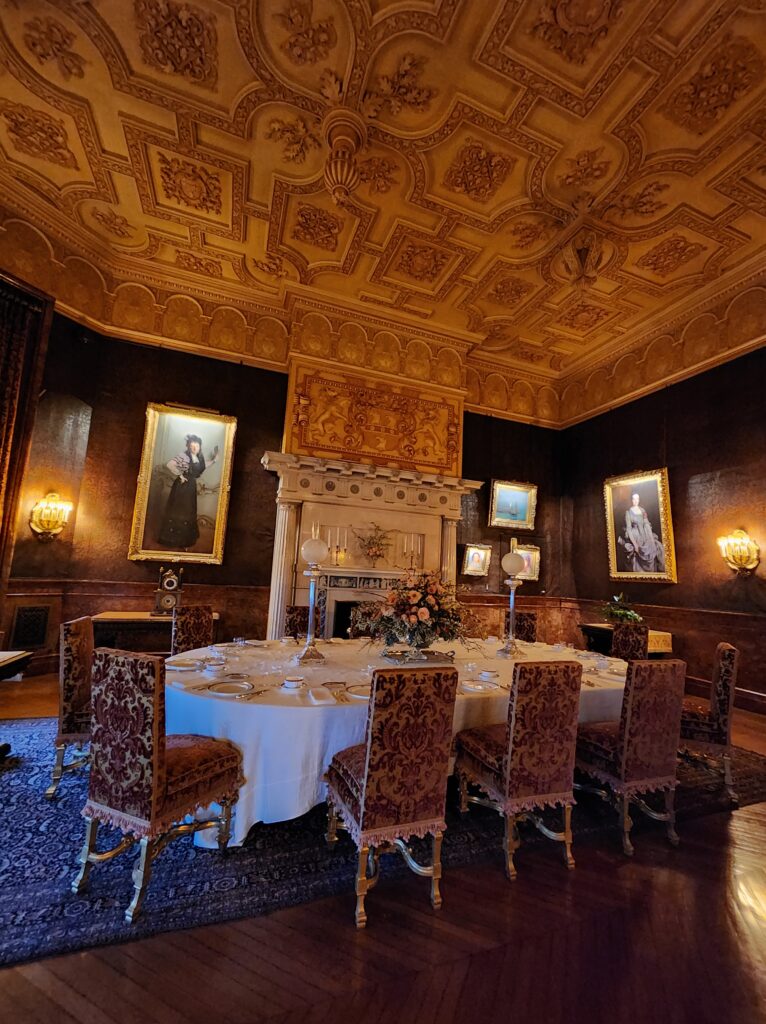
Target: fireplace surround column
285,536
449,550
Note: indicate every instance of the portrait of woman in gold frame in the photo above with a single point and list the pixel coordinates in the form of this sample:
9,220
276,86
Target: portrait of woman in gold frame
531,555
513,504
639,527
476,559
182,496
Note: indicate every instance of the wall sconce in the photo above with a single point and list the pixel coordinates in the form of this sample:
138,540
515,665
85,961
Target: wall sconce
49,516
740,552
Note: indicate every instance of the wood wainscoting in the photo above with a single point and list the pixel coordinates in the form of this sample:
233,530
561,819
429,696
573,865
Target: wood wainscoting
243,610
696,632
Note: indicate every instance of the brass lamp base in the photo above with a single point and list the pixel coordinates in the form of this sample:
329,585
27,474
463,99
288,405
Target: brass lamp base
309,654
510,649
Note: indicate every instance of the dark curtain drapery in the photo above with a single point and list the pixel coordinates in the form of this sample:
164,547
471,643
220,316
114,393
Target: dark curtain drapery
25,319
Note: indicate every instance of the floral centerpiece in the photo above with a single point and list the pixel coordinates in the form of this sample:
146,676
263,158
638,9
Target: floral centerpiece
375,543
417,610
618,610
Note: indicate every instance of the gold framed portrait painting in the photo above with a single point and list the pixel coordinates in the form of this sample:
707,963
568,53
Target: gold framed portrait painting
531,555
476,559
513,504
639,527
182,497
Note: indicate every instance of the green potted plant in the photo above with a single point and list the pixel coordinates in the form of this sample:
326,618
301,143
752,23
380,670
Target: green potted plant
618,610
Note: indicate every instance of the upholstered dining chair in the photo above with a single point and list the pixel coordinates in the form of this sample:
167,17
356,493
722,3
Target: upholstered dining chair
296,620
637,755
143,782
192,628
75,665
527,763
706,729
394,785
524,626
630,641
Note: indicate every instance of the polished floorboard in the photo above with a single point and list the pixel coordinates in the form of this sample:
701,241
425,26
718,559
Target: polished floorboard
671,936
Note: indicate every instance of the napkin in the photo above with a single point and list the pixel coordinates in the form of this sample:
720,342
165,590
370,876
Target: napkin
320,695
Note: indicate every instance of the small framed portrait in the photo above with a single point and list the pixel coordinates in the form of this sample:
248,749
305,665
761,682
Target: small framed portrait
513,504
182,497
476,559
531,555
639,528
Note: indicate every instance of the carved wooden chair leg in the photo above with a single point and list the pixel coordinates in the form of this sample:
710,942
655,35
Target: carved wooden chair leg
670,810
436,847
729,780
332,825
627,824
362,885
224,829
89,847
462,783
58,771
142,872
570,861
511,843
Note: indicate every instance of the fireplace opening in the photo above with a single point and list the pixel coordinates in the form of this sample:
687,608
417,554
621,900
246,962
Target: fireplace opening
342,617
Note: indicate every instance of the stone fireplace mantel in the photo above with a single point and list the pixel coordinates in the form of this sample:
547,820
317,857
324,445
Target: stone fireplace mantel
351,496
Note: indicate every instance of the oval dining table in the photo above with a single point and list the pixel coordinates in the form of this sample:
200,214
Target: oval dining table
287,739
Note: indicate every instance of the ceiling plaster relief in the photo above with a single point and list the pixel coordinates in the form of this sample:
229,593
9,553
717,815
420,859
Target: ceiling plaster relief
475,227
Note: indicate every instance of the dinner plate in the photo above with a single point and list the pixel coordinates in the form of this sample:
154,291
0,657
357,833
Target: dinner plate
230,687
359,691
479,685
183,665
256,643
224,647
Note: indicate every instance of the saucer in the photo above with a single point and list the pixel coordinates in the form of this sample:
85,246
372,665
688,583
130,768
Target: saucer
479,685
359,691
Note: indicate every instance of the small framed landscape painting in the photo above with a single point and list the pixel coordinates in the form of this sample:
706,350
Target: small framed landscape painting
639,527
476,559
182,497
513,504
531,555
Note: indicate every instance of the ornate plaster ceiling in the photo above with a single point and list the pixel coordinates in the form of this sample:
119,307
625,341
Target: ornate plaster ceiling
562,202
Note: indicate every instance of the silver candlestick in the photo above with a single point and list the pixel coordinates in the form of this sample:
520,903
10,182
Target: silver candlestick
313,551
513,564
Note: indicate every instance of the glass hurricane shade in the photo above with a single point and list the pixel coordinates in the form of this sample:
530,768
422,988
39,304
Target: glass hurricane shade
314,550
739,551
513,563
49,516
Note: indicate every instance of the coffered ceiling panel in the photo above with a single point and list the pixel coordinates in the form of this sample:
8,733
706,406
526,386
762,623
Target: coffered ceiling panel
538,191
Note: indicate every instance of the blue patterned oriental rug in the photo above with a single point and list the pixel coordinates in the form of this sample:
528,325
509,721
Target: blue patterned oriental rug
279,866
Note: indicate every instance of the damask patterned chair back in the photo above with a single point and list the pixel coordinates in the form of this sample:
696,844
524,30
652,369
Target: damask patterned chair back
524,626
192,628
127,782
409,737
541,733
722,692
630,641
75,668
650,721
296,620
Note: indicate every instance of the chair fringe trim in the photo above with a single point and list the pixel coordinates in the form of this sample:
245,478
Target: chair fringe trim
140,827
72,737
629,789
376,837
513,805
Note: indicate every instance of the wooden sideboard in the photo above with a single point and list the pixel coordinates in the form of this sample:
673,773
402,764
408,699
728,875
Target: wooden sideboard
135,631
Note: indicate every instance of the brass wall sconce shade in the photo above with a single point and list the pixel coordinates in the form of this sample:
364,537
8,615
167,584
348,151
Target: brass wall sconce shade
740,552
49,516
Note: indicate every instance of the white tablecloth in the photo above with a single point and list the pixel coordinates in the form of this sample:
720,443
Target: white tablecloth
287,742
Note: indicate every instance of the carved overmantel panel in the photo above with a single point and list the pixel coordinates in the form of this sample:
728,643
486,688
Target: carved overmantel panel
350,497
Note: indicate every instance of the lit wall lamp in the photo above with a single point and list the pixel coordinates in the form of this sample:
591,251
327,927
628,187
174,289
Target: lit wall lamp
740,552
49,516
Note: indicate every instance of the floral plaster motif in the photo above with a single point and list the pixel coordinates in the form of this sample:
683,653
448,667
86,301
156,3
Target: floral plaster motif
583,316
317,227
178,39
477,172
114,223
421,262
730,72
309,41
36,133
572,28
509,291
643,203
378,173
49,40
191,185
669,255
527,233
296,136
585,168
198,264
401,89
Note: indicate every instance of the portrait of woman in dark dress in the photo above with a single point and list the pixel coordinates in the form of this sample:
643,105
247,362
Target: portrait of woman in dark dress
179,529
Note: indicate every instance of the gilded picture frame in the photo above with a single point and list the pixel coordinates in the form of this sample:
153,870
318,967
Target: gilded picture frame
182,494
531,555
639,527
476,559
513,504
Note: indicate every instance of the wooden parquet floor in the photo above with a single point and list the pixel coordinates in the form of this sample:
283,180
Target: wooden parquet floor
669,937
